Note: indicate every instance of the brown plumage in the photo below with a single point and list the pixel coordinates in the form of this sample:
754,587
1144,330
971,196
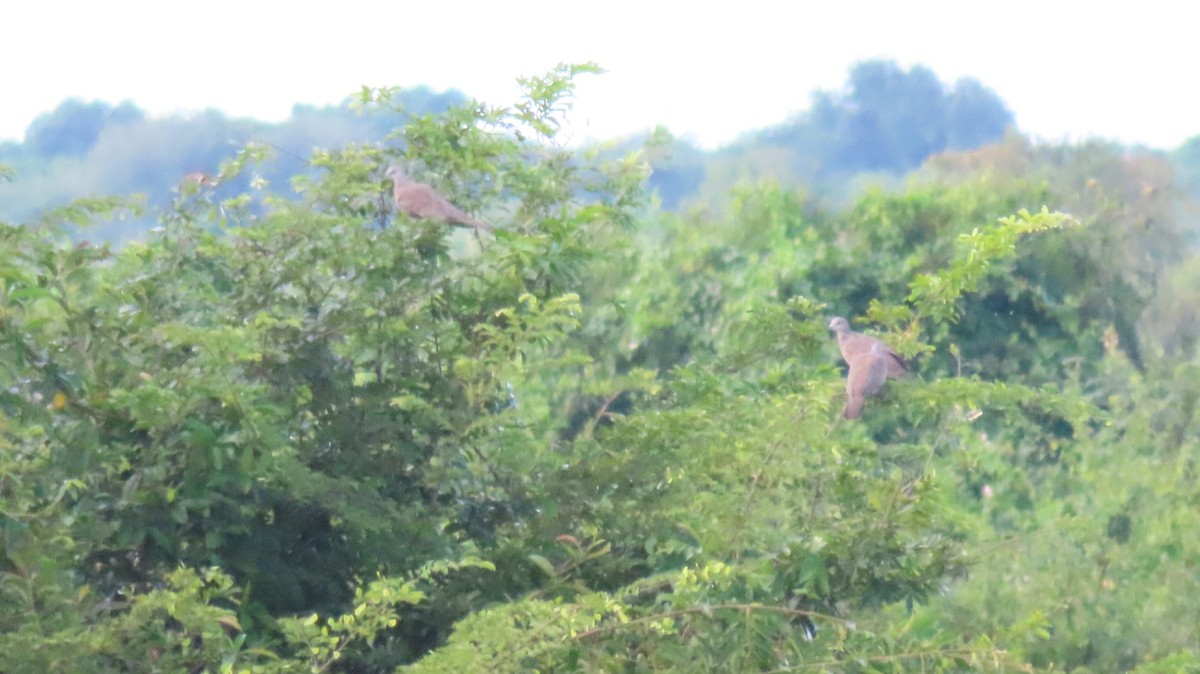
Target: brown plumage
868,373
854,343
420,201
871,364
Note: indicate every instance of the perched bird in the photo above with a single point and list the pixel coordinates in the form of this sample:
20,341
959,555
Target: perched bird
854,343
420,201
871,364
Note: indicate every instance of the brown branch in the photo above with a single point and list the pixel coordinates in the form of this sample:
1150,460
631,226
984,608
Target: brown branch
962,653
707,609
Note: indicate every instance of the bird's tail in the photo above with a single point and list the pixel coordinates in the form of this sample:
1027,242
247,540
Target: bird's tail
854,407
478,224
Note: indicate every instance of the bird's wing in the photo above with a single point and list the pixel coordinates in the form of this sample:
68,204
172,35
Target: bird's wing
419,200
868,373
855,344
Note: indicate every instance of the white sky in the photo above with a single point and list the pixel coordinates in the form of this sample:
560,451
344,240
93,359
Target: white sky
707,71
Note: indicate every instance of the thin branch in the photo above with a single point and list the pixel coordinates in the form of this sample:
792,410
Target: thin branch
706,609
962,653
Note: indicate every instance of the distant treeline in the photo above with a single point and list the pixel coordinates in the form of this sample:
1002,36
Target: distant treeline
885,122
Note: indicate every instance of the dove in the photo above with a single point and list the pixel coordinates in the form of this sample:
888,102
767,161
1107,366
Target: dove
422,202
871,364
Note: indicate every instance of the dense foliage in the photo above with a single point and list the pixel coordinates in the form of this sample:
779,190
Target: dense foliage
300,434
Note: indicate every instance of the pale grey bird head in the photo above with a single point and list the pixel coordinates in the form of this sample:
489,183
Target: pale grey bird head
397,175
839,324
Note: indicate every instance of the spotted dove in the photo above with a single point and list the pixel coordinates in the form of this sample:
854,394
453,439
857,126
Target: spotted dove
871,364
420,201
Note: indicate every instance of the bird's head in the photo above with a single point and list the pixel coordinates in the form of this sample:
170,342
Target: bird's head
397,175
839,325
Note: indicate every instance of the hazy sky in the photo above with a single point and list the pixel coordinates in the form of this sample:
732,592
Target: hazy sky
707,71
